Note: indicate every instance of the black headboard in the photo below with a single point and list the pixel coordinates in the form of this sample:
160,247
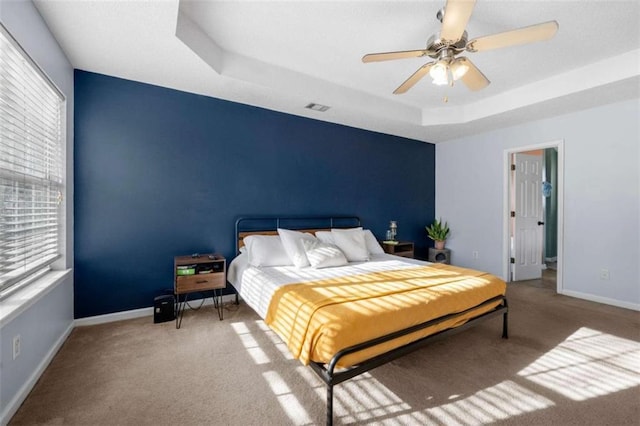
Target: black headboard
247,225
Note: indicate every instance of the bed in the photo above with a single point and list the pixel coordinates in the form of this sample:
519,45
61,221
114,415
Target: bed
359,312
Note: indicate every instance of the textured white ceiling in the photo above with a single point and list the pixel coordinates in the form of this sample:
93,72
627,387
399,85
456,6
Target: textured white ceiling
283,55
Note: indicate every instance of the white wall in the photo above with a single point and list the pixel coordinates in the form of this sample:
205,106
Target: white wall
601,198
45,321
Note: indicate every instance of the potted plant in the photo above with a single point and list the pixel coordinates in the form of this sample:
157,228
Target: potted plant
438,233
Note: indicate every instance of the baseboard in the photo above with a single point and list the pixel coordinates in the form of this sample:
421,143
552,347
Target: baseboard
599,299
21,395
116,316
138,313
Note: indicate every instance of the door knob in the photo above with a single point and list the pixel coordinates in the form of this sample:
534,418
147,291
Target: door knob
540,223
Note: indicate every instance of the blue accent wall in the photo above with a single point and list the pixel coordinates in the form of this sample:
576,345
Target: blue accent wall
159,173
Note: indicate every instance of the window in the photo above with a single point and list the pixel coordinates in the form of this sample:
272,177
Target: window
31,166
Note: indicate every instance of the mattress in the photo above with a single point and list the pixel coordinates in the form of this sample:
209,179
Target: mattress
319,312
256,286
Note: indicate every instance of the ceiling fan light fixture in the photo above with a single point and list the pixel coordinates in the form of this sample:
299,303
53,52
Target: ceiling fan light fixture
443,81
458,69
440,73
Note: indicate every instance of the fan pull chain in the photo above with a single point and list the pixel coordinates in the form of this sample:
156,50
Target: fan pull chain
450,79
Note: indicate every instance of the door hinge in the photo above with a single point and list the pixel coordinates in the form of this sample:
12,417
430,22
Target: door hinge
513,167
513,214
513,260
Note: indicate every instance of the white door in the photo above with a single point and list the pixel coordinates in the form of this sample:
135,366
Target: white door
528,224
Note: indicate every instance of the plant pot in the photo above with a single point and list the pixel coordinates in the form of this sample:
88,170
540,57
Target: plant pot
439,245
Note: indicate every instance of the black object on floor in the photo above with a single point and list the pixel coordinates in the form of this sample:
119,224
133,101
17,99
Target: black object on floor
164,308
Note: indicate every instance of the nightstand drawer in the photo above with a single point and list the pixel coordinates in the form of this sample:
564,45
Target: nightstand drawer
200,282
408,253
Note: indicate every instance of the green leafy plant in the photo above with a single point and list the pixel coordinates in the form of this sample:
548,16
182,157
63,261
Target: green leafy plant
437,231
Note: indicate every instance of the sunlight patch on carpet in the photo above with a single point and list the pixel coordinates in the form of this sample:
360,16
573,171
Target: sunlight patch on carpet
312,379
360,399
277,342
588,364
502,401
250,343
287,400
366,399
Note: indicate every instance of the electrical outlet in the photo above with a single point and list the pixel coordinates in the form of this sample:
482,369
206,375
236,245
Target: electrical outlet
604,274
475,254
17,346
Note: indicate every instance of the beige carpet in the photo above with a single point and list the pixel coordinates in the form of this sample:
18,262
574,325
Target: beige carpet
567,361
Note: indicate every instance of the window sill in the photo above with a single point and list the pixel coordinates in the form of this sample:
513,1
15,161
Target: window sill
22,299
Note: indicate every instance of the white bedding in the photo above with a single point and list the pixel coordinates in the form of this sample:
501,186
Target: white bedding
257,285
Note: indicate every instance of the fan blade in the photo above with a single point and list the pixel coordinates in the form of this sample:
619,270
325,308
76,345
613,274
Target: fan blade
538,32
408,83
388,56
456,16
473,78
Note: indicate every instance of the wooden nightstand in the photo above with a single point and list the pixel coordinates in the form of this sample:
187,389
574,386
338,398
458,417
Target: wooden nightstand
196,274
402,248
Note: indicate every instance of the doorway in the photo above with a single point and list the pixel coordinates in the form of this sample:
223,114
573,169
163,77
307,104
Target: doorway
533,214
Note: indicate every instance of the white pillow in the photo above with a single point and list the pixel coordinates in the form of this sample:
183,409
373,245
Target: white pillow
322,255
325,236
266,250
370,240
292,242
352,243
372,243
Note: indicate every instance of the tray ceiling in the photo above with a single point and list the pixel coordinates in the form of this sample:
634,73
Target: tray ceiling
285,55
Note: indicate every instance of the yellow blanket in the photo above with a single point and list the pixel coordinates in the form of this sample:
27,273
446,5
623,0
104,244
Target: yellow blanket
317,319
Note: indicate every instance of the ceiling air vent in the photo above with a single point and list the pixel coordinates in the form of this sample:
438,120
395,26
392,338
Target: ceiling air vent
317,107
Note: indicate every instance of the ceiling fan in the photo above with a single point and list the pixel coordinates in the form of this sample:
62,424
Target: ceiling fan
452,40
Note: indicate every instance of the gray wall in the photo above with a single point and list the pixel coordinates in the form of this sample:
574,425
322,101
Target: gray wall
601,198
47,320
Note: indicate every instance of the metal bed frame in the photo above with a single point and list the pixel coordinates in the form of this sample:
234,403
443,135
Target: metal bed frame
327,372
272,223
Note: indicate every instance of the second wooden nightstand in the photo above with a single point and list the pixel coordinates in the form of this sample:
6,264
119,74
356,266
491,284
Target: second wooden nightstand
199,273
401,248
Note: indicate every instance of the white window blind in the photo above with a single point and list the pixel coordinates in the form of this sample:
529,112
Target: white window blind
31,165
